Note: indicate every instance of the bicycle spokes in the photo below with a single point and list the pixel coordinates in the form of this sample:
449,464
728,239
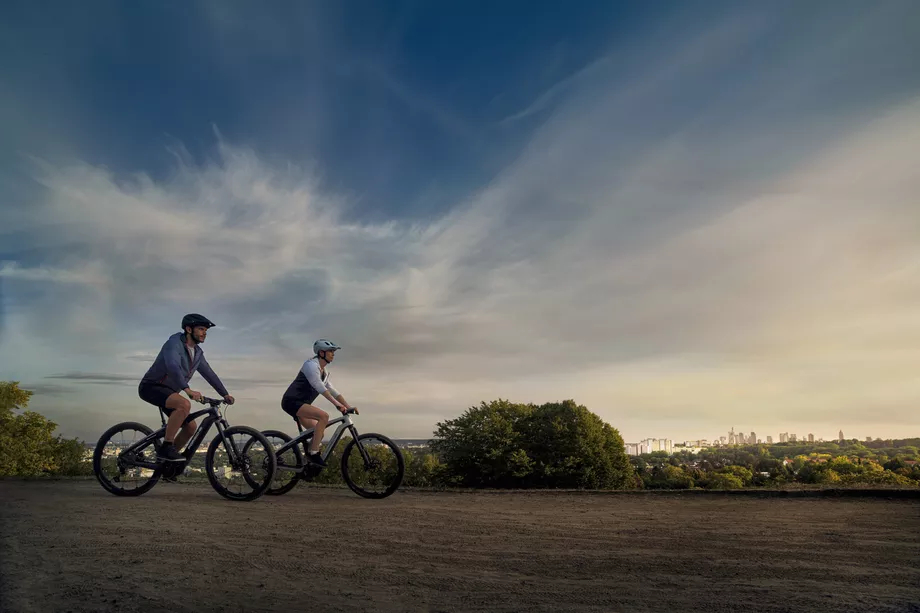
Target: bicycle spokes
373,465
119,457
288,462
241,463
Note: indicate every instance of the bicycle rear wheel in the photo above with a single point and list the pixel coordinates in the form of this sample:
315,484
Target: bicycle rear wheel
115,469
240,464
289,463
372,466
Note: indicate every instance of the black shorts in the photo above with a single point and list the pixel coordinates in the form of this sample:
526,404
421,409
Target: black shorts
156,394
292,405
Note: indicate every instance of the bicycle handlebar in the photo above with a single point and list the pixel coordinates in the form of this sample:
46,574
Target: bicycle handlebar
214,402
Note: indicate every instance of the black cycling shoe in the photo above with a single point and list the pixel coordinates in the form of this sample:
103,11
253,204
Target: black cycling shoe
169,454
316,458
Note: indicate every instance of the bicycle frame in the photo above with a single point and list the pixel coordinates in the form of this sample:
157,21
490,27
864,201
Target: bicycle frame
345,424
213,417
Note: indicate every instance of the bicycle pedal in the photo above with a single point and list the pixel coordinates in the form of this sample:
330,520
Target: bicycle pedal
310,472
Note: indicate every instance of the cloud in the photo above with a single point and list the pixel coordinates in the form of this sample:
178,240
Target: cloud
12,270
90,377
657,264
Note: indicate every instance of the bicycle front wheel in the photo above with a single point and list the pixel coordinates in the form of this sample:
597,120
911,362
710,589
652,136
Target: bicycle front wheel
240,464
372,466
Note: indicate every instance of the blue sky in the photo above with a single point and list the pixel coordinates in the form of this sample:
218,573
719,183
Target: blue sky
687,216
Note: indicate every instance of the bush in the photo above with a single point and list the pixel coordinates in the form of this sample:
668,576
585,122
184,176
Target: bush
723,481
559,445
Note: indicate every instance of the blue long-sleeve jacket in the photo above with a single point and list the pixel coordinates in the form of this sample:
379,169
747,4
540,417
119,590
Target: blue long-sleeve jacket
173,368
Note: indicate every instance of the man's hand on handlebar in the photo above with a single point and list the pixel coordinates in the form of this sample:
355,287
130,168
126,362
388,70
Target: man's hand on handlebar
196,396
229,399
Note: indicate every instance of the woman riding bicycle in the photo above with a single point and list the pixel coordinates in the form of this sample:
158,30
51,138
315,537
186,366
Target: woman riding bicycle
311,381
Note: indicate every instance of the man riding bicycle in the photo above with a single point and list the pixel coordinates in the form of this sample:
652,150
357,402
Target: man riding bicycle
179,359
311,381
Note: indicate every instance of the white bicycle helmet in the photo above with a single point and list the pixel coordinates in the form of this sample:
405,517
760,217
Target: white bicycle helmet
324,345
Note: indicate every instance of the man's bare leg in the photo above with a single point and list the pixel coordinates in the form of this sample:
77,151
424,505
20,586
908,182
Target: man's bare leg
185,434
181,408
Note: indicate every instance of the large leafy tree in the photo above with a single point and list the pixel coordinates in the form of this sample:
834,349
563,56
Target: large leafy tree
571,447
484,447
560,445
27,446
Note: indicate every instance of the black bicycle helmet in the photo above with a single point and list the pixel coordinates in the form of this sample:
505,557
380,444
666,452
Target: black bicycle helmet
194,319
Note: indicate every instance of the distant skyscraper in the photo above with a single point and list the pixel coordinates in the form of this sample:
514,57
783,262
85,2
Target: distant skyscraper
792,438
769,440
753,439
840,436
783,437
811,437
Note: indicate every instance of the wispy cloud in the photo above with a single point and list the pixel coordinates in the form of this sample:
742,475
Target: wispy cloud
658,262
92,377
12,270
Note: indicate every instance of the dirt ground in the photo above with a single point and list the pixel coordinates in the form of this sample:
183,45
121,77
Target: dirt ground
70,546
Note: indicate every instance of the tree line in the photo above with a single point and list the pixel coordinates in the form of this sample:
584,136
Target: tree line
502,444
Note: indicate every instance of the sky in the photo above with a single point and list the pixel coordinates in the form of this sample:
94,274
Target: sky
686,216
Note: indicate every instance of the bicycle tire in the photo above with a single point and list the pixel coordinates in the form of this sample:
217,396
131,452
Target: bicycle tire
284,489
401,464
209,463
97,461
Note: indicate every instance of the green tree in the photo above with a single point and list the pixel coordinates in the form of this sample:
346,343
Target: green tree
422,469
503,444
723,481
484,446
571,447
671,478
69,457
27,447
742,473
25,439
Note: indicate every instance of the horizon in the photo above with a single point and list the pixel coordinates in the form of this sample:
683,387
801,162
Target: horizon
679,216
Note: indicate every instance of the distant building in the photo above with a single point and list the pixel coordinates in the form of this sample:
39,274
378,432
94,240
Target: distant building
783,437
811,437
752,440
868,439
649,445
840,436
792,438
769,440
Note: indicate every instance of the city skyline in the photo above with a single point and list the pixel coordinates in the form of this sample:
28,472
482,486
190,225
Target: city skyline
741,438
